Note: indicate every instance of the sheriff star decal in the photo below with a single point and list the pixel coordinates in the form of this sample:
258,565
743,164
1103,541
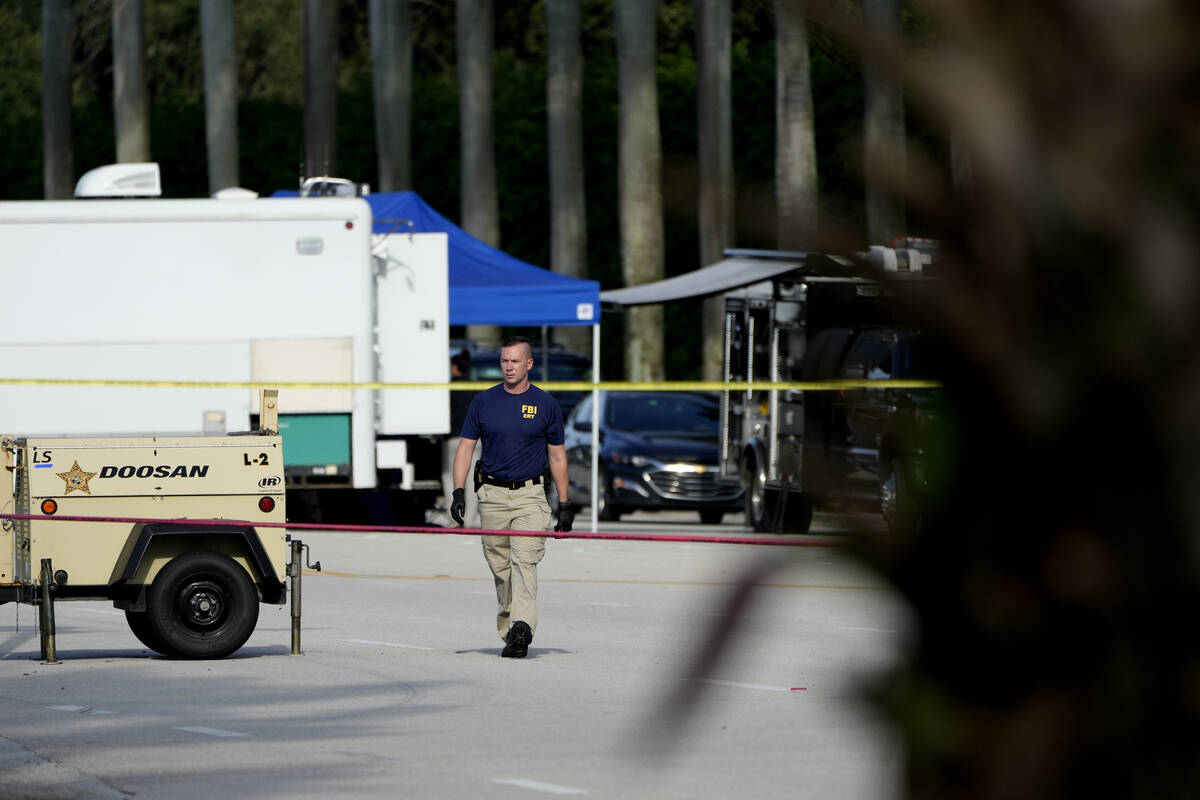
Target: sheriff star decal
76,478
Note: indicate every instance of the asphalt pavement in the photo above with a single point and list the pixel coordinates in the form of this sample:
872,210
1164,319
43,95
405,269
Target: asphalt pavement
654,673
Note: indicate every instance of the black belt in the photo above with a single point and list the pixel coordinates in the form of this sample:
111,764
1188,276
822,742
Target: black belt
488,479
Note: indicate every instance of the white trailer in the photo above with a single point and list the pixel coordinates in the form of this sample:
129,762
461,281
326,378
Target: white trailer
238,291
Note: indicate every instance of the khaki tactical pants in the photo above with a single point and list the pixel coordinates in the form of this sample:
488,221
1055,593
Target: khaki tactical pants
514,559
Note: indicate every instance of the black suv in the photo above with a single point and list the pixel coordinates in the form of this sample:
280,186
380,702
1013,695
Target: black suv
868,447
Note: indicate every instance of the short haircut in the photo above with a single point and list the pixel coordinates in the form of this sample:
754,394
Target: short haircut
513,341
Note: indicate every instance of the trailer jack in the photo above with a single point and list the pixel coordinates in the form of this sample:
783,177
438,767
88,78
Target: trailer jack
295,569
49,650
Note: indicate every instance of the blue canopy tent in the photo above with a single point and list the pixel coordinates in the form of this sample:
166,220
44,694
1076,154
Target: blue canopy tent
488,286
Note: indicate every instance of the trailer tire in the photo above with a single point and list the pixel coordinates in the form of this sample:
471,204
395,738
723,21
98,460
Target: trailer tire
139,624
203,605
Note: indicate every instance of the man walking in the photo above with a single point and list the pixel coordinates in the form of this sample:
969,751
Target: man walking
521,429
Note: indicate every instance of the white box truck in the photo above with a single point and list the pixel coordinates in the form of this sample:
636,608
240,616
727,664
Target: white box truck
136,296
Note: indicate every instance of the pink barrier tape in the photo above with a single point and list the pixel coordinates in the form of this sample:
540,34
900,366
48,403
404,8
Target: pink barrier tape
315,526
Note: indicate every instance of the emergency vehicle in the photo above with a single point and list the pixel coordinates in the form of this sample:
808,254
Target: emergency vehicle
795,451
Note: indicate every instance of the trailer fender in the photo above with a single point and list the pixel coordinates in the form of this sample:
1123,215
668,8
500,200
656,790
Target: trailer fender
230,539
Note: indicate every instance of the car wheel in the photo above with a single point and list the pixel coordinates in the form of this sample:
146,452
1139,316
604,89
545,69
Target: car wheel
711,517
203,605
758,515
139,623
896,500
604,506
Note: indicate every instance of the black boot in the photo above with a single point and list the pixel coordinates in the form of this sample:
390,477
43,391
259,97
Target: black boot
519,638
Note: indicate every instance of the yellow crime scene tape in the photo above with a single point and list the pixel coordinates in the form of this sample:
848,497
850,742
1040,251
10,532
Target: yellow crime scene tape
475,386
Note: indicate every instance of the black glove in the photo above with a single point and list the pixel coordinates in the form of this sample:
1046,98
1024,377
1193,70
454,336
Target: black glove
566,516
458,506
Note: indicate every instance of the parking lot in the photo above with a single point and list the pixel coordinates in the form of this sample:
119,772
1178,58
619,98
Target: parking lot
636,685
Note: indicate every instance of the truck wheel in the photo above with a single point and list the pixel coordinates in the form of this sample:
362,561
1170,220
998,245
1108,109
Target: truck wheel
203,605
758,507
896,500
139,623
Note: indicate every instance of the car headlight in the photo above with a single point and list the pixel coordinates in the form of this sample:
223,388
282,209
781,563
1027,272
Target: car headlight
632,459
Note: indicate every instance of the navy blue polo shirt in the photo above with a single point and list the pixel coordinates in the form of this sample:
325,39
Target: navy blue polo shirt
514,430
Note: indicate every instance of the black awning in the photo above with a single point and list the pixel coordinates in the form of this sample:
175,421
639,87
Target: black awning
713,279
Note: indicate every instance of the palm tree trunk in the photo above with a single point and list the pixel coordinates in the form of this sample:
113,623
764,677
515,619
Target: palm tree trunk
883,127
320,87
480,207
391,56
220,93
131,108
564,108
795,137
58,163
715,135
640,183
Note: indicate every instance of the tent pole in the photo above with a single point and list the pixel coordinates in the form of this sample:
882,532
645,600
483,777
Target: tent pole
595,421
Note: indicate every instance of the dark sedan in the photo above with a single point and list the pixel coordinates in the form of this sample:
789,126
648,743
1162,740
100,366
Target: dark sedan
658,450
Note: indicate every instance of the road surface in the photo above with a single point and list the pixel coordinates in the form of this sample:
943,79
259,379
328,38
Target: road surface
640,682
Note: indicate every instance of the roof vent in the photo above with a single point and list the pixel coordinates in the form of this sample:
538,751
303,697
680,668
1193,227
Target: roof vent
235,193
121,180
325,186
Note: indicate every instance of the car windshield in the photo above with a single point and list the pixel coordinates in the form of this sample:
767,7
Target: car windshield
665,413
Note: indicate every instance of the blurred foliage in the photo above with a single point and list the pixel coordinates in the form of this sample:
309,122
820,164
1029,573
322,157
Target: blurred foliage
1063,544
